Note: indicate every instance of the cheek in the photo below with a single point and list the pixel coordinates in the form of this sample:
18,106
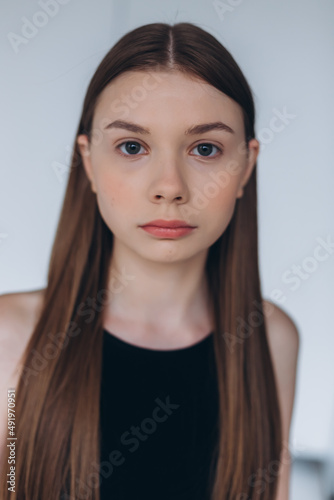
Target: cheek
115,198
220,186
220,195
221,203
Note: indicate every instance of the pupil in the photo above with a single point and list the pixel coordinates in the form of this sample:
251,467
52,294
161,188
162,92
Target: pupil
132,147
205,149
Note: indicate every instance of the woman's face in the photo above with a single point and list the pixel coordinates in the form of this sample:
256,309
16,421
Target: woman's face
166,146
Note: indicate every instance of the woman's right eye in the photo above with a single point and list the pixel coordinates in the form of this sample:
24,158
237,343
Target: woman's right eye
130,148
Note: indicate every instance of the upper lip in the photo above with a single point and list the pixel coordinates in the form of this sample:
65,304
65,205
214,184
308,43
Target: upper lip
167,223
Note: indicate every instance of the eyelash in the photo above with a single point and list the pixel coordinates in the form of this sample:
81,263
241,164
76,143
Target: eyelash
220,150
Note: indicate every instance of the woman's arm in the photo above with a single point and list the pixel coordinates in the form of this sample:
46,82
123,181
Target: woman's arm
283,338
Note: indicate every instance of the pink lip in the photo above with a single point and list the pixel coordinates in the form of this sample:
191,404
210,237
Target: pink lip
168,224
168,232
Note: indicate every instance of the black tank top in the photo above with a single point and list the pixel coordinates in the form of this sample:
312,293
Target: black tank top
158,422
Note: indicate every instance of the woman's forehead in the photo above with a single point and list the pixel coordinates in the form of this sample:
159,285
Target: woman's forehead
139,94
139,83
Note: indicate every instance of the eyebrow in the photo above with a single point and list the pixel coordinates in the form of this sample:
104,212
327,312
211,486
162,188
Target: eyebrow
195,129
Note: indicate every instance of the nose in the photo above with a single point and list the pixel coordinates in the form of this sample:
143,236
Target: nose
168,182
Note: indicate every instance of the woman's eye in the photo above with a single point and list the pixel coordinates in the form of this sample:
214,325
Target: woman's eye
130,148
133,148
206,149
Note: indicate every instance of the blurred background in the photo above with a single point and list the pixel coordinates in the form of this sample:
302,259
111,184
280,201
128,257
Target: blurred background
50,50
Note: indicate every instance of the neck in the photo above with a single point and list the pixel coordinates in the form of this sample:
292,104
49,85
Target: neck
156,296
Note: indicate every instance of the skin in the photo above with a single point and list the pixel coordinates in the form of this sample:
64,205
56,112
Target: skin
164,300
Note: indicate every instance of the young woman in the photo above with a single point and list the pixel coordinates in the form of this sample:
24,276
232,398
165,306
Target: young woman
151,366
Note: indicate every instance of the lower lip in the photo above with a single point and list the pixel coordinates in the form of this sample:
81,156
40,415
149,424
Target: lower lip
166,232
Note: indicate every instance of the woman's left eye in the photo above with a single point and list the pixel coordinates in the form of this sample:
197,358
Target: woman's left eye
131,148
206,149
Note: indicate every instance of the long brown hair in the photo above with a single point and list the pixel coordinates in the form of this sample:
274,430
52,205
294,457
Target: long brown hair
57,413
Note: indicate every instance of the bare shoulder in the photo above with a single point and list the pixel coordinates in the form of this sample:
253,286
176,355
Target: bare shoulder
283,334
19,313
284,340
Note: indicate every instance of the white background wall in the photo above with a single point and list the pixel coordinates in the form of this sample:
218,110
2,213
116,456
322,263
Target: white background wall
285,49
